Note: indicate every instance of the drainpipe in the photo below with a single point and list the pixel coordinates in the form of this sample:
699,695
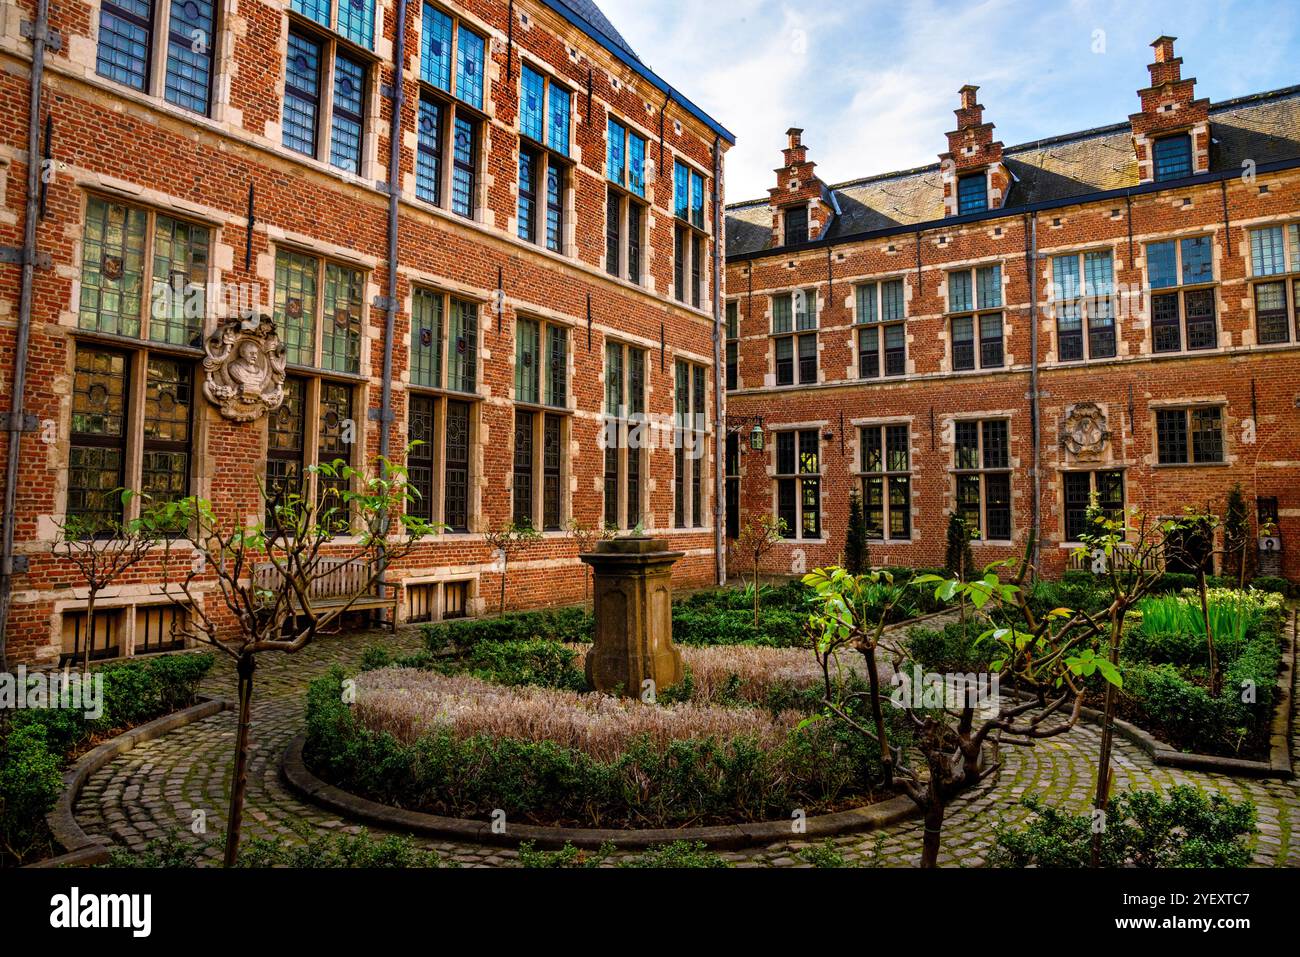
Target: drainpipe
1035,426
394,199
719,379
17,410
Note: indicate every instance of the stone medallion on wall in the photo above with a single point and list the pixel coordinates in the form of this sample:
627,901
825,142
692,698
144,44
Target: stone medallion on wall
1084,433
245,370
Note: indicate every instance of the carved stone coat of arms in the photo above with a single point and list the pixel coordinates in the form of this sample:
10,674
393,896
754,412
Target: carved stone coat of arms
1084,433
245,370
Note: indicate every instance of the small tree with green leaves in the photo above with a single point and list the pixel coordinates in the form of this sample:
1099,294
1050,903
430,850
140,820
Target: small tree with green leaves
247,590
958,561
508,540
857,554
1045,657
1236,534
849,612
1124,551
756,540
103,548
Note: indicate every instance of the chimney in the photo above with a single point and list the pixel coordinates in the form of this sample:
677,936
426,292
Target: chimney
972,150
798,190
1169,107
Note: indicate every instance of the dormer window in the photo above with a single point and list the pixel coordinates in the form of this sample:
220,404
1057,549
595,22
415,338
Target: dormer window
1172,157
972,194
796,225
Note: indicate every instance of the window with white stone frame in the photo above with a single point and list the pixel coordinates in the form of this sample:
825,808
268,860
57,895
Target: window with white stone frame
544,133
982,473
541,423
882,332
690,445
1275,286
1083,301
794,337
886,476
1180,280
625,435
450,120
975,318
327,76
625,206
798,479
161,48
690,240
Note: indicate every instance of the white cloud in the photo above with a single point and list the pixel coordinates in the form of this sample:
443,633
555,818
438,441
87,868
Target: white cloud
874,83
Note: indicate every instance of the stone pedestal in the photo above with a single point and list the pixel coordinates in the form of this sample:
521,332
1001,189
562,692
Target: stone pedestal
634,617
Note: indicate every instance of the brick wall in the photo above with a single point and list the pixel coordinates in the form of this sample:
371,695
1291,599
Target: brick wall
137,149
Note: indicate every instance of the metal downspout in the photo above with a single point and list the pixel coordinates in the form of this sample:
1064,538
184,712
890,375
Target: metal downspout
17,407
394,199
719,379
1035,426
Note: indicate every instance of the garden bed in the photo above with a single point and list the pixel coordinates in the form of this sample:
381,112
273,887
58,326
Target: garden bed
36,744
1166,705
511,728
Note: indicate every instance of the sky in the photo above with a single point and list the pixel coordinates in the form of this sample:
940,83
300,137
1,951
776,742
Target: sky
873,84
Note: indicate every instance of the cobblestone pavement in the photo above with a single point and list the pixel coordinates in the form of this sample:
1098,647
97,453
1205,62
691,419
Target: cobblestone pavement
158,786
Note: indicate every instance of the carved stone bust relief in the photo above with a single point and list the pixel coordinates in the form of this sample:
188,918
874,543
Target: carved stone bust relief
245,369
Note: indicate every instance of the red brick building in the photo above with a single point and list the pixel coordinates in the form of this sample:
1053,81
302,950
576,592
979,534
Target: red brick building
1012,329
206,163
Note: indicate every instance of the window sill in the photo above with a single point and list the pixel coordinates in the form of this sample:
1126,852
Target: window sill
1192,465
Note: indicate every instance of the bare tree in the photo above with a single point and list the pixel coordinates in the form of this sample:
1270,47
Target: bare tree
757,539
262,577
507,540
586,536
104,548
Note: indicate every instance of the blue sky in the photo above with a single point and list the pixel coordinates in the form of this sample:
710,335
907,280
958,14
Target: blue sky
874,83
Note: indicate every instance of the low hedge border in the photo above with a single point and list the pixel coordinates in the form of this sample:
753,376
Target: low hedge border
294,771
82,849
1278,765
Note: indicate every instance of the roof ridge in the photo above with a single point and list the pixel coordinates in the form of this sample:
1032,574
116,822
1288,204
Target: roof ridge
1096,131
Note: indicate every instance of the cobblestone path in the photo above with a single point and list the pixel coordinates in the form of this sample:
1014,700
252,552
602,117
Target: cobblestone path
158,786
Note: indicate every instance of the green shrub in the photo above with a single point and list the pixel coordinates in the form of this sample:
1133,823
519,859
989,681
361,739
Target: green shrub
823,855
950,650
563,624
566,857
1161,699
678,854
537,661
332,851
1268,583
30,782
141,689
704,626
1143,829
172,851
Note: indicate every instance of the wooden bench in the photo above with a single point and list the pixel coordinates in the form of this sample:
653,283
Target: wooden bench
335,582
1152,561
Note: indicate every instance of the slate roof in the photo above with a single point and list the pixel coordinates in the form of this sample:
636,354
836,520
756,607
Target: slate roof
593,15
1264,127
